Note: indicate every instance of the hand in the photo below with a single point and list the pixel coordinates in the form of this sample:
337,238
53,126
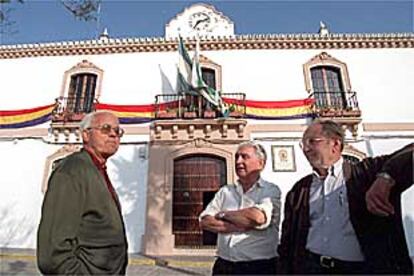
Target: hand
220,215
377,197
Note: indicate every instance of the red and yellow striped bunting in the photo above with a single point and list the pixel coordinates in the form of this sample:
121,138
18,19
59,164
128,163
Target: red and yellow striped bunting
274,110
136,114
25,117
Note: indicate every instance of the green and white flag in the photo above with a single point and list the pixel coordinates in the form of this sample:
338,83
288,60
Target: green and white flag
184,66
198,84
190,81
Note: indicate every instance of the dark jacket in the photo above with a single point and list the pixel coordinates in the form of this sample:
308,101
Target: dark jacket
81,230
381,239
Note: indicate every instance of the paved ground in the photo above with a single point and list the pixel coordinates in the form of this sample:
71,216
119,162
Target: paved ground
23,262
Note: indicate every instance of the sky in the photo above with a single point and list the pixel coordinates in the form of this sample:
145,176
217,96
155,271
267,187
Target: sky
48,21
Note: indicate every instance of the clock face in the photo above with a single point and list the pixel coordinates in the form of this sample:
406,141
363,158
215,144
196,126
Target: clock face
200,21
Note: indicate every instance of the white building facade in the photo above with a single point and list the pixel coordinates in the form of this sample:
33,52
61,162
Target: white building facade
167,166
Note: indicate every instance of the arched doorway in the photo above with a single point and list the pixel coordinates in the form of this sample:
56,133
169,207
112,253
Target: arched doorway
197,178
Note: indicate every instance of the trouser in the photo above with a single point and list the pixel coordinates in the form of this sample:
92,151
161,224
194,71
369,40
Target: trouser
254,267
318,264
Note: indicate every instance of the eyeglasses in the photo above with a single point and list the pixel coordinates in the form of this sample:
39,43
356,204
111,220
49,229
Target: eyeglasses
106,129
311,142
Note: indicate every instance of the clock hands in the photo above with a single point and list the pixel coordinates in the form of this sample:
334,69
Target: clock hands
200,21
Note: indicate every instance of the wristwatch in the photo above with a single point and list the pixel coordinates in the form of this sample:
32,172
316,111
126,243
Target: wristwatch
386,176
221,215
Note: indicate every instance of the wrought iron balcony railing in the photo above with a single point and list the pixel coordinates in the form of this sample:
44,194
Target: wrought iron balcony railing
73,108
168,106
340,104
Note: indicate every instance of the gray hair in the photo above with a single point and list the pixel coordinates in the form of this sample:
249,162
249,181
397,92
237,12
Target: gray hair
331,130
259,150
89,118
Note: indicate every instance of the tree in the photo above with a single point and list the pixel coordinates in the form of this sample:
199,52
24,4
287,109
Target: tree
83,9
86,10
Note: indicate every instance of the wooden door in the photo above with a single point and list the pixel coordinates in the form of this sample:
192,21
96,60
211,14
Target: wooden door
196,179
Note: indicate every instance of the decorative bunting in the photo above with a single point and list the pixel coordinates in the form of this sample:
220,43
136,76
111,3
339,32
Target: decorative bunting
130,114
137,114
25,117
274,110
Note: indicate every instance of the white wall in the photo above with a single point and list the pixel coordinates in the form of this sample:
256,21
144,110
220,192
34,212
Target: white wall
382,78
128,173
23,163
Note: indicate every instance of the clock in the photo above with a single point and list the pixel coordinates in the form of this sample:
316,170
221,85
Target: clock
200,21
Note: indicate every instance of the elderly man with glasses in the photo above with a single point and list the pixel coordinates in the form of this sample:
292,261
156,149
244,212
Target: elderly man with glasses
81,229
327,227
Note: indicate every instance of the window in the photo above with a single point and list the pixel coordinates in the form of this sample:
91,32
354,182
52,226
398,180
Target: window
209,77
211,73
327,87
81,88
327,79
81,93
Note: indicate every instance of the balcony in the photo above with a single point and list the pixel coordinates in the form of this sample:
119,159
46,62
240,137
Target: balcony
67,115
341,107
173,106
72,109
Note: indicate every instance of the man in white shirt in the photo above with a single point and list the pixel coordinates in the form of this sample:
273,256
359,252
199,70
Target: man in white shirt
246,217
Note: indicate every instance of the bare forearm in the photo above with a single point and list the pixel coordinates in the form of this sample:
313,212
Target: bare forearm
247,218
212,224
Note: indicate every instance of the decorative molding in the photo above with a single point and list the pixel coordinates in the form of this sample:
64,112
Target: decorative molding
179,131
324,59
24,132
388,126
203,5
82,67
237,42
183,23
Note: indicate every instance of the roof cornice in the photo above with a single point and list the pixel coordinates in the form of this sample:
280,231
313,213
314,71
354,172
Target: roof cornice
237,42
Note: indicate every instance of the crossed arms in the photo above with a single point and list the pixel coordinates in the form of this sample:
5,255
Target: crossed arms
234,221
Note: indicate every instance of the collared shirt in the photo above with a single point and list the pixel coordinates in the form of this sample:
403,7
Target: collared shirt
101,166
331,232
260,243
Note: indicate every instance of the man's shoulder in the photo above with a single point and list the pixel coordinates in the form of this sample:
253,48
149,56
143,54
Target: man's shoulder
301,183
75,160
270,186
227,188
